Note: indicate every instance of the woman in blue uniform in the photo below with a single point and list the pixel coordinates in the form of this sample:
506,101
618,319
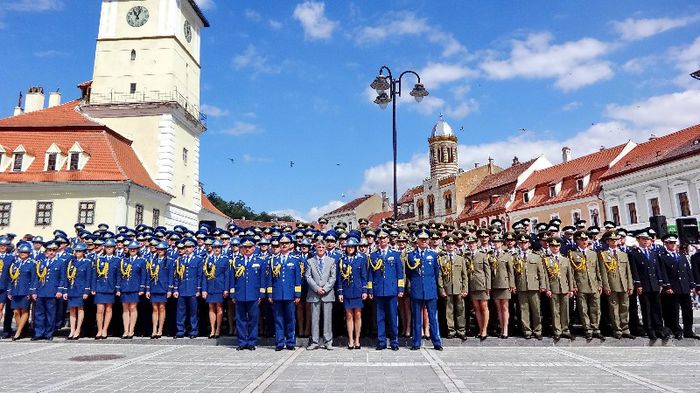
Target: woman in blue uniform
216,283
104,286
132,284
6,260
22,272
352,273
78,280
158,287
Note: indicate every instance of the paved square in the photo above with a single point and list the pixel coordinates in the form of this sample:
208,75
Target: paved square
140,366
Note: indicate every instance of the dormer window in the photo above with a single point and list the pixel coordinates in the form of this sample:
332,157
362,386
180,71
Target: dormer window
579,185
17,165
552,191
51,159
526,197
74,161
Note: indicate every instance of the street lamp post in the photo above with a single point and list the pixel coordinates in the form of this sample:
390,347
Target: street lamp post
381,84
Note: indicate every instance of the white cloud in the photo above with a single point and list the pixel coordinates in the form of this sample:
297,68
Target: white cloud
50,53
315,24
252,15
206,4
435,74
640,64
214,111
408,174
32,5
573,64
240,128
312,214
571,106
407,24
249,158
462,109
687,59
660,114
252,59
275,24
636,29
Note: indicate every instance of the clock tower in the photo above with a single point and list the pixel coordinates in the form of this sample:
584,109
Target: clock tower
146,84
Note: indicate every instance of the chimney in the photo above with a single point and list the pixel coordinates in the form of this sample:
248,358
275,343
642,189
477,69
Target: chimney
54,99
516,161
476,165
35,99
565,154
652,137
385,202
18,111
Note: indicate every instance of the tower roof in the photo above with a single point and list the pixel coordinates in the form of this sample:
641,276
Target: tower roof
441,128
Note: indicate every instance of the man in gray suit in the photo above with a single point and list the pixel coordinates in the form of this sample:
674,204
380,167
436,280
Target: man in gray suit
320,275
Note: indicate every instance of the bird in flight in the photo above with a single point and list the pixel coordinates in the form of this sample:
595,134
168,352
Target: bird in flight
291,164
233,161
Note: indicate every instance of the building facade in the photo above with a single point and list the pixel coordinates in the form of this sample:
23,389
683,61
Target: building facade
362,207
569,190
660,177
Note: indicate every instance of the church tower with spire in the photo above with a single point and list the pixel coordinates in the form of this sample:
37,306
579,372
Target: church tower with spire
443,150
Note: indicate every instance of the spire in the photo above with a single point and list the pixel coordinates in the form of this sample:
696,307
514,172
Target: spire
441,128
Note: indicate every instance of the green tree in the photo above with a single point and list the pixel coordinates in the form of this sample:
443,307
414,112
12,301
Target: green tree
239,209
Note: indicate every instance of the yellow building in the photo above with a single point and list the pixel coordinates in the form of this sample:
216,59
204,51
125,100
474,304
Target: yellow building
127,151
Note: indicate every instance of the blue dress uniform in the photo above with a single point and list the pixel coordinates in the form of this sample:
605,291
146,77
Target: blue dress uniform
105,278
131,278
49,281
681,281
422,270
248,287
187,283
78,280
648,274
63,256
385,283
158,278
5,263
21,274
283,287
352,279
216,277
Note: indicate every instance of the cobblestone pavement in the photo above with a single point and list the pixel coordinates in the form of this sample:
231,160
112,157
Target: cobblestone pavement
139,366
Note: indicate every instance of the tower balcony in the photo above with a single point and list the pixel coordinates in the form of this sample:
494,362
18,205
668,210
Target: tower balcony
148,98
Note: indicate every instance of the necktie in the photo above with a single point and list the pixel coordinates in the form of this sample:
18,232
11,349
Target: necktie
320,263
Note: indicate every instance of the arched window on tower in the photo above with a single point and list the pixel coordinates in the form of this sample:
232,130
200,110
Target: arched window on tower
419,207
431,206
450,155
133,54
448,202
444,154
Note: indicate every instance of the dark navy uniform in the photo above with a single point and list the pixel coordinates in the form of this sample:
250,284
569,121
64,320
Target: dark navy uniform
648,275
681,281
187,283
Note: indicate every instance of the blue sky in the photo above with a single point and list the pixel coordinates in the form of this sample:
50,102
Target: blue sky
288,81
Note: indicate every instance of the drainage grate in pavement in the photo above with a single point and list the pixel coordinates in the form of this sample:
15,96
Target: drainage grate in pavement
95,358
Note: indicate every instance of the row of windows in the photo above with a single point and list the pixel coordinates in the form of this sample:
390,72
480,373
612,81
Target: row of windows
553,190
86,213
431,205
682,205
51,161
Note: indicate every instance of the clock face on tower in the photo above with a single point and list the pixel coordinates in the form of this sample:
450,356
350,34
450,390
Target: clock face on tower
137,16
188,31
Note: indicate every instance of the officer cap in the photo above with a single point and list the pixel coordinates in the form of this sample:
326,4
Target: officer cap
370,233
450,240
56,233
609,225
555,221
553,228
352,242
264,241
509,236
79,225
497,237
471,239
355,233
24,248
580,224
322,221
110,243
569,229
523,238
286,238
422,234
622,232
103,226
4,241
225,235
98,241
344,236
481,232
51,245
37,239
189,242
209,241
543,236
670,238
133,245
217,243
236,241
161,246
581,235
331,236
363,243
78,247
306,243
610,235
554,241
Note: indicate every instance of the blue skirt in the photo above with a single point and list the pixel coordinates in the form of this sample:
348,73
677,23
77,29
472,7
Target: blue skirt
104,298
353,302
20,303
130,297
158,298
75,301
215,298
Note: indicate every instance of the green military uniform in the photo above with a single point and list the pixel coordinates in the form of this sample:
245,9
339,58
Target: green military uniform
454,281
617,278
530,280
479,270
501,274
588,282
561,282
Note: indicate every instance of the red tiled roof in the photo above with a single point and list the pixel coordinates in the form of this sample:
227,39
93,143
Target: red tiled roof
206,204
508,175
666,148
262,224
350,205
576,167
61,116
407,196
376,218
111,157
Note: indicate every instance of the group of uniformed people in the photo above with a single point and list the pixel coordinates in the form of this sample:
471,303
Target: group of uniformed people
415,277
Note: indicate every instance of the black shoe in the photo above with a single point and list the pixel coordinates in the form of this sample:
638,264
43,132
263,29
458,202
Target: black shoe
438,347
179,336
16,338
191,337
538,336
691,335
277,349
380,347
617,336
241,348
627,335
652,336
503,337
567,335
589,337
211,337
663,335
153,337
394,347
7,336
251,347
125,337
450,335
678,336
358,347
556,338
483,338
39,338
413,348
291,348
528,336
599,336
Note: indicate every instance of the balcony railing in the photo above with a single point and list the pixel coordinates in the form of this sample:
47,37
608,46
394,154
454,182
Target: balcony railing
148,97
